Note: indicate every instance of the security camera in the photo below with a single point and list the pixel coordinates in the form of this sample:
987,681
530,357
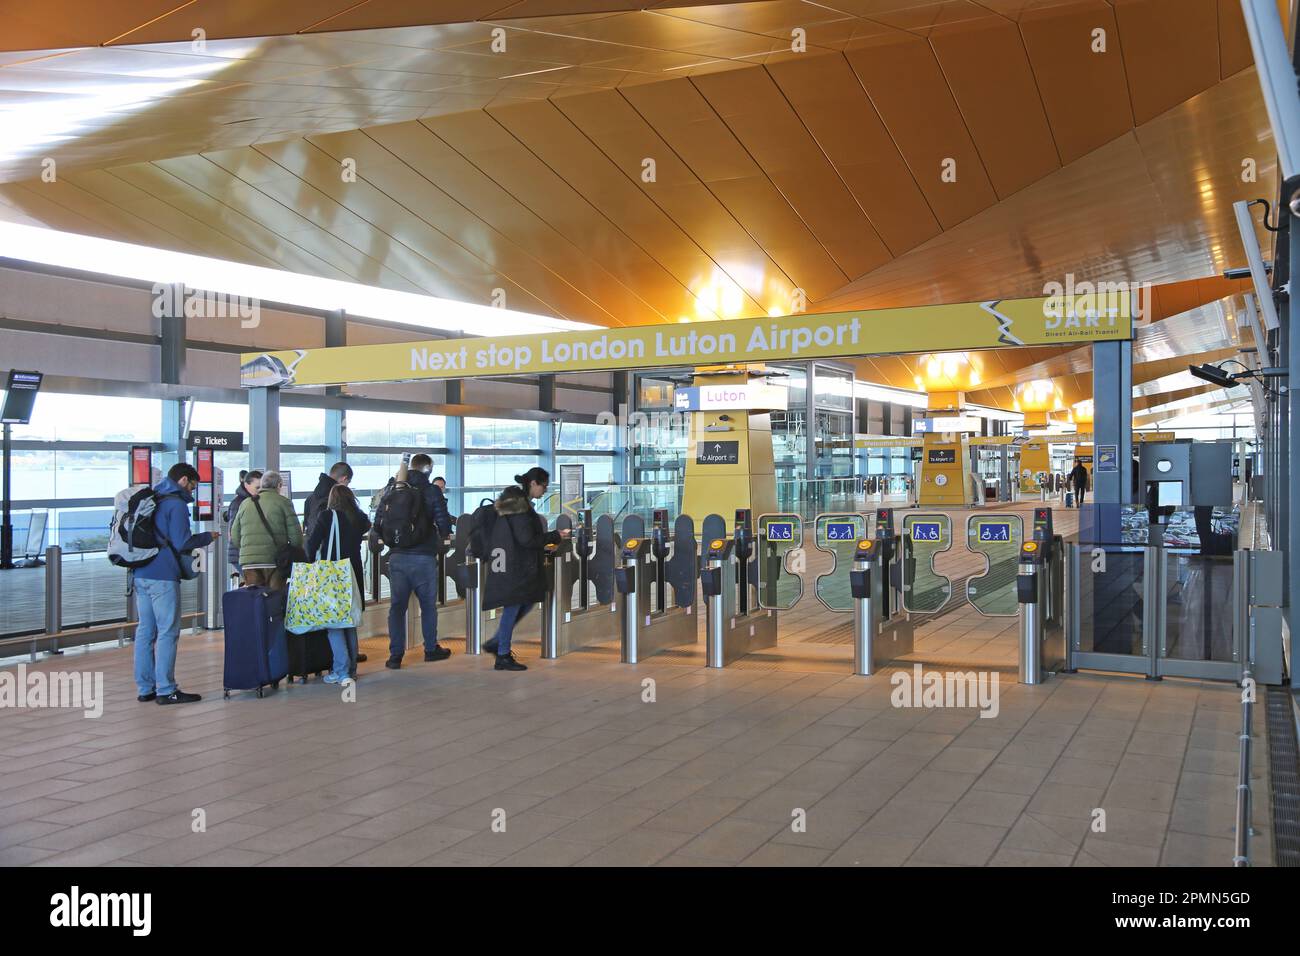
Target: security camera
1212,374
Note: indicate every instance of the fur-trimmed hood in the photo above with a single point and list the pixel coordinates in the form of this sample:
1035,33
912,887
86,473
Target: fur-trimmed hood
513,501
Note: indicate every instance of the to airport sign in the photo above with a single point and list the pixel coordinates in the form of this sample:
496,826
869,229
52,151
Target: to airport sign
967,325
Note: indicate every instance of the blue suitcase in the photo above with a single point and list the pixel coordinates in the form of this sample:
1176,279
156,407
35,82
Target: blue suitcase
256,651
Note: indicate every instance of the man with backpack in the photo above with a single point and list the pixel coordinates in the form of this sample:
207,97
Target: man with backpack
412,519
317,502
158,589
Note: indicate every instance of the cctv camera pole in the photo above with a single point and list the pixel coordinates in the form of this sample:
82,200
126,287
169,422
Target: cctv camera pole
6,525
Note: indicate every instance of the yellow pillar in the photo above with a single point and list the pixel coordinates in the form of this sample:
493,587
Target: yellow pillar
945,458
729,464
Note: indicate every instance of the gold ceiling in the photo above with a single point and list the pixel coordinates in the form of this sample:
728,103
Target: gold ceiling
625,163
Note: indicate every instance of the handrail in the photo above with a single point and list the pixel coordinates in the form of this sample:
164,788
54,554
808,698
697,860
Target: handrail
1241,856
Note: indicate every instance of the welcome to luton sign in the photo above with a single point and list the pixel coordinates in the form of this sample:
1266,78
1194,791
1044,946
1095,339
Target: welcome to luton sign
958,327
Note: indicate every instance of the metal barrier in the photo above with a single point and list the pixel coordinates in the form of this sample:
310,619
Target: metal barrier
569,624
656,577
735,623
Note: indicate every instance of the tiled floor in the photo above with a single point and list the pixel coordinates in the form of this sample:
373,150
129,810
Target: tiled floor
570,764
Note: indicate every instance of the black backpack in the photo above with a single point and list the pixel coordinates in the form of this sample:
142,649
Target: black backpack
481,523
402,519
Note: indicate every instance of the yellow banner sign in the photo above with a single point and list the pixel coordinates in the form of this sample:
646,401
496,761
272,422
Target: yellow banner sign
967,325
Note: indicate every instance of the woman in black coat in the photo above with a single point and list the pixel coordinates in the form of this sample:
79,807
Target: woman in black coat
353,524
516,541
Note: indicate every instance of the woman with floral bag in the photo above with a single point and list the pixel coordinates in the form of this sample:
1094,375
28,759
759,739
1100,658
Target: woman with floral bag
341,538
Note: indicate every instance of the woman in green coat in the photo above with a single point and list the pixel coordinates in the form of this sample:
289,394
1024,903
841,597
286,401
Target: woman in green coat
263,526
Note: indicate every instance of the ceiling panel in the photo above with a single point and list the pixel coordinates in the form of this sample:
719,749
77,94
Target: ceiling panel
1085,92
835,109
1167,64
925,123
988,71
622,134
694,131
492,148
610,191
759,116
424,162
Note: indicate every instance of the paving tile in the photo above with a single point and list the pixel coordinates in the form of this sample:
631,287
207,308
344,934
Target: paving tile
873,849
1007,856
731,840
1189,849
781,854
989,807
962,844
641,847
1045,833
907,818
606,824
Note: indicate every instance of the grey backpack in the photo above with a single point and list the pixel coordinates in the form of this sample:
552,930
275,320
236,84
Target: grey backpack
133,539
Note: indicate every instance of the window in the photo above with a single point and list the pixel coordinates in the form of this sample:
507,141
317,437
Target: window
500,433
220,417
371,471
300,426
401,431
597,469
580,437
59,416
495,471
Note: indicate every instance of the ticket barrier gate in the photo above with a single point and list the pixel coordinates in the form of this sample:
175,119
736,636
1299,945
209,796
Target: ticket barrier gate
877,638
736,624
656,581
570,620
1031,586
470,575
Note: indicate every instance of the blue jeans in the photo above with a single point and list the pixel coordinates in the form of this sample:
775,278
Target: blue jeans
510,616
409,573
158,606
343,642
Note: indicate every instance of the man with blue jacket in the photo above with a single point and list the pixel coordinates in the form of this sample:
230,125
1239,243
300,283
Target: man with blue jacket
415,570
158,589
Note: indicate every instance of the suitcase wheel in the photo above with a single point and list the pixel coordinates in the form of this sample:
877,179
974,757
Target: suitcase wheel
259,692
275,685
226,695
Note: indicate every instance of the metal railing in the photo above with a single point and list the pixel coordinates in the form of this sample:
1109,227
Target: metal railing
1241,850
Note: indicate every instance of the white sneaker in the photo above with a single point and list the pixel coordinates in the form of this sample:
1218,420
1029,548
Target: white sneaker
332,679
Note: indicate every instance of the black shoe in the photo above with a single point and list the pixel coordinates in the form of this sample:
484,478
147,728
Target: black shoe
393,663
439,653
490,647
179,697
145,698
361,658
507,662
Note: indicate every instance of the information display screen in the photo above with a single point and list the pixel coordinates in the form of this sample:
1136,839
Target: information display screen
925,531
20,397
780,531
941,456
994,530
841,531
